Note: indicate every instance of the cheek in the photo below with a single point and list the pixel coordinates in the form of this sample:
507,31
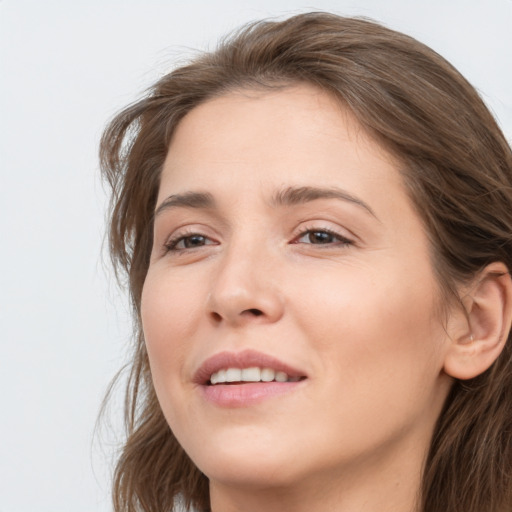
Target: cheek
373,327
168,312
378,348
358,298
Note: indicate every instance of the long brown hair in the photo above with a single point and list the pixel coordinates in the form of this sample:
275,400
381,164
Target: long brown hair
456,165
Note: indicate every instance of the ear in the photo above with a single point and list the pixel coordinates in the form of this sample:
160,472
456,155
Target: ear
479,332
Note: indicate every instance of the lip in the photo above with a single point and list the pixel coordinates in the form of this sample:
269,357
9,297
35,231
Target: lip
244,359
241,395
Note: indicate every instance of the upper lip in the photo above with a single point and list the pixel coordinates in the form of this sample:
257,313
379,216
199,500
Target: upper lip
245,359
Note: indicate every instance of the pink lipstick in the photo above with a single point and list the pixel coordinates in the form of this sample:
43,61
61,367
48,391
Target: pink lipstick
245,378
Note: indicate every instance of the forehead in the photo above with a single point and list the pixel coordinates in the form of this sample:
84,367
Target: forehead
263,139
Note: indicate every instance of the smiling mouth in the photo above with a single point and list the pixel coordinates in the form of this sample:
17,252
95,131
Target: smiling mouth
236,380
253,374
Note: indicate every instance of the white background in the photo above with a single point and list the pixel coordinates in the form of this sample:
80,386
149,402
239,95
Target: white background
65,68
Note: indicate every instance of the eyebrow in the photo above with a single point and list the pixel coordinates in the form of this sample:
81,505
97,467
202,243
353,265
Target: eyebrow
202,200
301,195
287,197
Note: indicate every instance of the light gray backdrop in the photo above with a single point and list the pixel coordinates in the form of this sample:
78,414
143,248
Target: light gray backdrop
65,68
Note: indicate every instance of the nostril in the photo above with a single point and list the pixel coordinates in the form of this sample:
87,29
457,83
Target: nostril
253,311
216,316
246,313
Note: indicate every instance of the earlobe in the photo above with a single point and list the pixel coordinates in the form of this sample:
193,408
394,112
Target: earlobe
479,333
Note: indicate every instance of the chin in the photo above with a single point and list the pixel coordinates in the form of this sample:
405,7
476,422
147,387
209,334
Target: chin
249,462
260,473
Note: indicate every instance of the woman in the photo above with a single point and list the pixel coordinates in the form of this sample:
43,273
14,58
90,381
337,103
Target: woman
316,224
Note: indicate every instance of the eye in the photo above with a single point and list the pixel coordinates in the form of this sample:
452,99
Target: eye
321,237
188,241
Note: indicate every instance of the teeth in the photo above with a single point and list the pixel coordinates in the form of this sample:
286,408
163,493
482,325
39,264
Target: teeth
267,374
253,374
281,377
220,376
233,375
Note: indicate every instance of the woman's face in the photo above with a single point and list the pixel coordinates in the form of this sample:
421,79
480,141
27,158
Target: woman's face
285,245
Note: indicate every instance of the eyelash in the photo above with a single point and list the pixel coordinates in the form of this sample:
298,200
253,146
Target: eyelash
171,244
340,240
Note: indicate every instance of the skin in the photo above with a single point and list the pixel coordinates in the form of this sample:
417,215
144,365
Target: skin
358,313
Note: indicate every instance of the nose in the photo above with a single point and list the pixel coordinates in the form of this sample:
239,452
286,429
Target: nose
245,288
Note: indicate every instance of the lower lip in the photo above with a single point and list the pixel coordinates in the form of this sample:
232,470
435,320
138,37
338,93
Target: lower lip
244,395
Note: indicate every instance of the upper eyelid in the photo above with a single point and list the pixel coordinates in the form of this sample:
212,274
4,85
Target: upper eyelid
189,229
302,227
178,217
177,237
325,225
172,242
343,239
